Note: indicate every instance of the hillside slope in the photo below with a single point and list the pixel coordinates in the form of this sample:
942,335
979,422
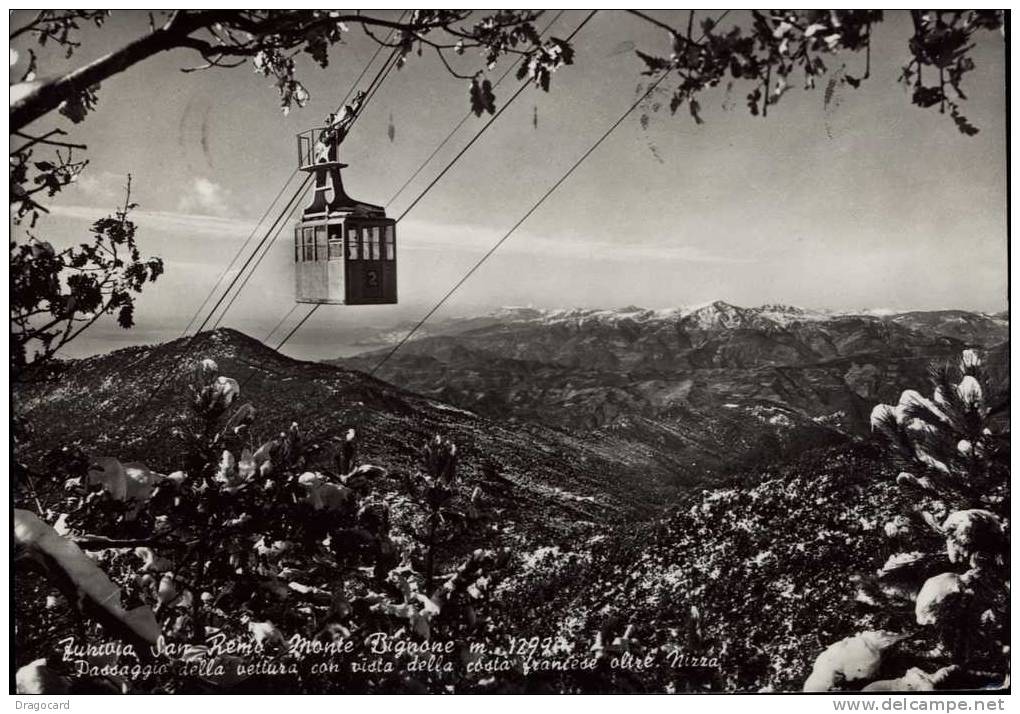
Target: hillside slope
755,579
559,481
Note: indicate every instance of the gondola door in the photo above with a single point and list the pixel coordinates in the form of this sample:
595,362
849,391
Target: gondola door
372,272
371,263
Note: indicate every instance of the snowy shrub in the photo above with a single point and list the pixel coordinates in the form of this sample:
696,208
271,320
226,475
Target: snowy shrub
258,541
954,454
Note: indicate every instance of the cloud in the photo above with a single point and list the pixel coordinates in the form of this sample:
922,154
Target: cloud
101,185
205,197
421,235
416,236
183,225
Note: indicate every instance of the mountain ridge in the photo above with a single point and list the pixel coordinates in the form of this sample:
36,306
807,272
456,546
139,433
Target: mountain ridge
707,313
540,364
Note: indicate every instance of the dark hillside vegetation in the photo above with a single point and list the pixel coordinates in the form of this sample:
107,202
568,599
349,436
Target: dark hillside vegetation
731,547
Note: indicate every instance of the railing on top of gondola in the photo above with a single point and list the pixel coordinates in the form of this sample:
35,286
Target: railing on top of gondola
317,146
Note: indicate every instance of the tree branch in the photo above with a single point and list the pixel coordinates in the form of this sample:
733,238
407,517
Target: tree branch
45,139
31,25
50,95
106,310
450,69
174,33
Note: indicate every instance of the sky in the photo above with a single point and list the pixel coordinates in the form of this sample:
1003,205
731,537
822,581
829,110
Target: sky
873,203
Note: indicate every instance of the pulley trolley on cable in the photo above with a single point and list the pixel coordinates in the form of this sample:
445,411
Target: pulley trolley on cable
345,251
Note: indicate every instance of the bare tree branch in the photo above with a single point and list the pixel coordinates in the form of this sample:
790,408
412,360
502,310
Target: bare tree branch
45,139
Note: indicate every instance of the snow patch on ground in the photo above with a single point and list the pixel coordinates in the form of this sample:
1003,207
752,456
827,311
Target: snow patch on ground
450,408
771,415
562,493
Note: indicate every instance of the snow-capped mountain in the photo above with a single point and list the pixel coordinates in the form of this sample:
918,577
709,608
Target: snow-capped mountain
717,314
583,367
706,315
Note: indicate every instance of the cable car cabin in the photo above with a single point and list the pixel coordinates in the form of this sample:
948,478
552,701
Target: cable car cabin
345,251
346,261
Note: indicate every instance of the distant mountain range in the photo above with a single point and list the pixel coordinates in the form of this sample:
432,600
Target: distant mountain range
951,323
702,374
543,364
